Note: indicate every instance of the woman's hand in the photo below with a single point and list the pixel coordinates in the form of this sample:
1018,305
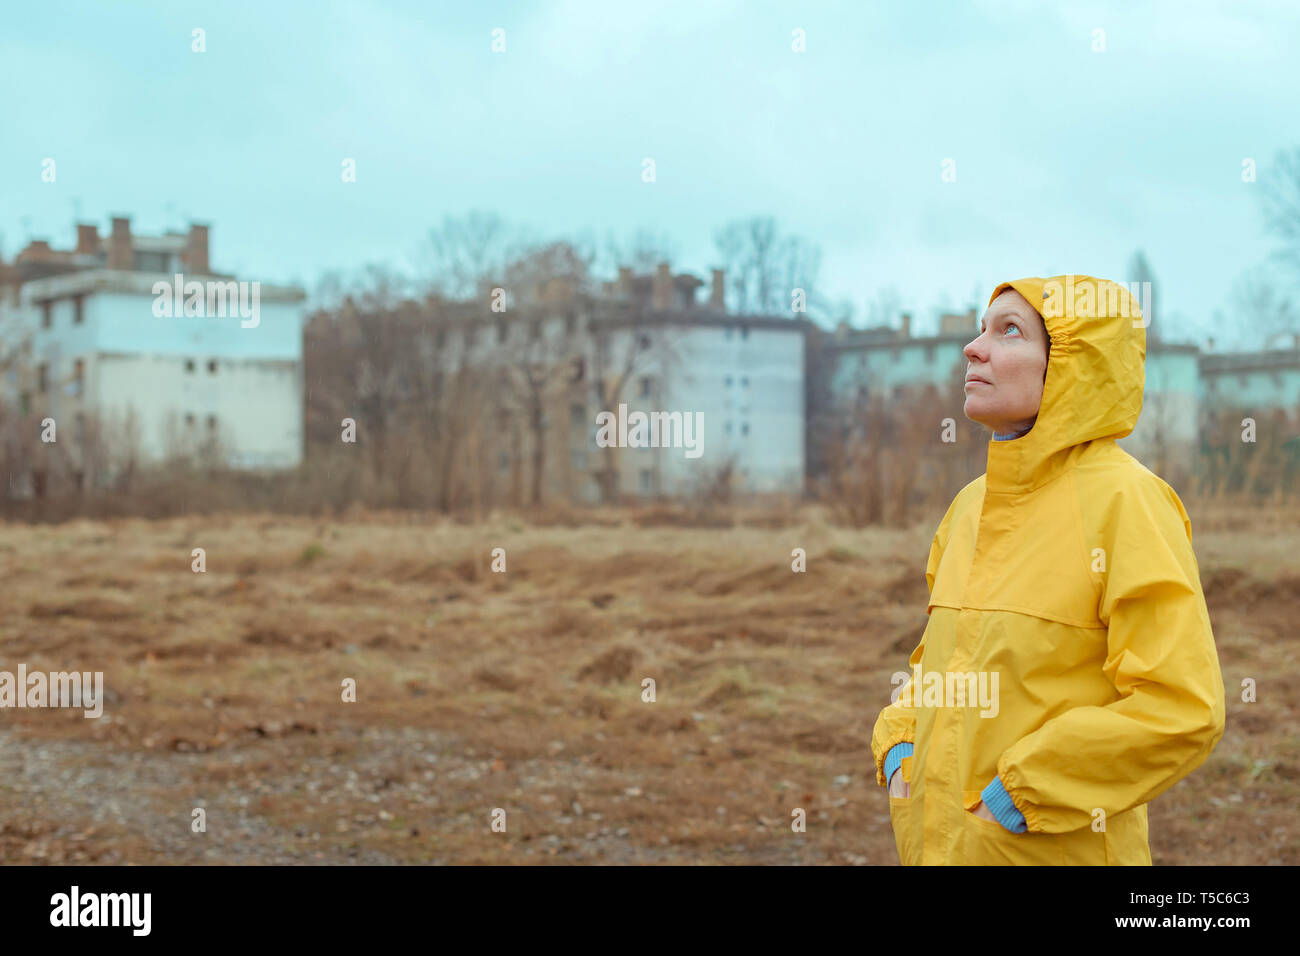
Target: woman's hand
982,811
898,787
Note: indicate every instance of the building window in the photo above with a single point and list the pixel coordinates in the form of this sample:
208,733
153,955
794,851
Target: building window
644,341
744,381
189,419
152,262
25,402
47,314
212,366
535,331
728,381
189,365
899,391
212,423
43,377
79,375
646,388
744,331
647,480
578,415
744,428
578,459
503,332
503,462
929,354
78,310
471,336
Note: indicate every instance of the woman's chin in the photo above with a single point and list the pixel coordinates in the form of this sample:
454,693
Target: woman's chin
975,413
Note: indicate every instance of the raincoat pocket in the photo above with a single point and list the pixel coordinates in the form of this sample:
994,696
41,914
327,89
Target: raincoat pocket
900,814
989,843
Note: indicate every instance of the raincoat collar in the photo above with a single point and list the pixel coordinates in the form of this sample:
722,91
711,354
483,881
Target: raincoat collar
1095,377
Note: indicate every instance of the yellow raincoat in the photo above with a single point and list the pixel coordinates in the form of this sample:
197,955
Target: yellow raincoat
1066,570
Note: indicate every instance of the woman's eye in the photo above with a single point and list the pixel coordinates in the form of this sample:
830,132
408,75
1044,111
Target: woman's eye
1012,325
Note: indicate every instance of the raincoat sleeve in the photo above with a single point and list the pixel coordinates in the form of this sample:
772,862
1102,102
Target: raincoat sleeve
1161,659
897,722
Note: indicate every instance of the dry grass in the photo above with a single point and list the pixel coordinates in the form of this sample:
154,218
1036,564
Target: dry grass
522,691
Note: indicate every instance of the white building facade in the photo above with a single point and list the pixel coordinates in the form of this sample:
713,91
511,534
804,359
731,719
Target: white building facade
741,378
107,345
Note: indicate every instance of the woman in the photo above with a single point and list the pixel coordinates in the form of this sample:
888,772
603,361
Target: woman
1064,578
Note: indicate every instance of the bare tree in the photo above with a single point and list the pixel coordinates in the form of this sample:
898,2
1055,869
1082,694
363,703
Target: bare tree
537,358
533,273
623,347
462,252
884,307
765,267
1261,309
1281,194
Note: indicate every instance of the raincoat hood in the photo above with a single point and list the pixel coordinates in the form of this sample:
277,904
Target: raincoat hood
1095,376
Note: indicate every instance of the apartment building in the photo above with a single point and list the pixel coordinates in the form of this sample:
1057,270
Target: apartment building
138,337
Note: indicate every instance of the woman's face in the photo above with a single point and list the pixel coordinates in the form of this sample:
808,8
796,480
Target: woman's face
1007,363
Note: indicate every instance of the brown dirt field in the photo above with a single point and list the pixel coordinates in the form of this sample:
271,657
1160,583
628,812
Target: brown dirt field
522,691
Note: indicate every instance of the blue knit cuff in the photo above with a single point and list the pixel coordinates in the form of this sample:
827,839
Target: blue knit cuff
998,801
894,759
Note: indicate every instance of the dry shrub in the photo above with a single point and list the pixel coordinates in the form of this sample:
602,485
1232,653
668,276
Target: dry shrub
614,665
90,609
495,678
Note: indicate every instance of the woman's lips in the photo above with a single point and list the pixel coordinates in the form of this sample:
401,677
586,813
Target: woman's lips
975,380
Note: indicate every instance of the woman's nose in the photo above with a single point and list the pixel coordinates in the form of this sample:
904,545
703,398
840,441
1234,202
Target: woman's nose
974,350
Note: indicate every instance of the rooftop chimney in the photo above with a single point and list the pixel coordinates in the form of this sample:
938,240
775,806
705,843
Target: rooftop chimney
718,293
661,292
196,250
624,282
120,253
907,326
38,250
87,239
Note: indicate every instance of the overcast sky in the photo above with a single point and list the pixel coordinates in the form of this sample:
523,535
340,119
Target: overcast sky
1066,159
